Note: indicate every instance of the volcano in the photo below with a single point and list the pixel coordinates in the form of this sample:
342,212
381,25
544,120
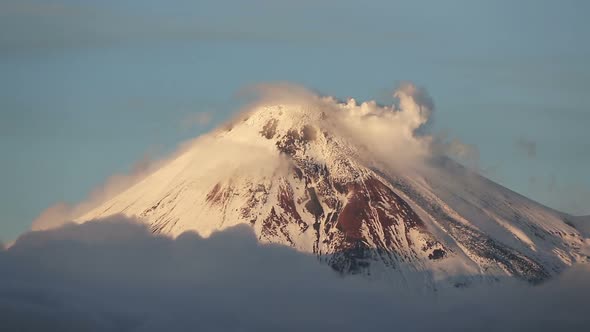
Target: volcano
357,186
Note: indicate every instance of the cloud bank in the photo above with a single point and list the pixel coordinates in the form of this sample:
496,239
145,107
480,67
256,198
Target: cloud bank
114,275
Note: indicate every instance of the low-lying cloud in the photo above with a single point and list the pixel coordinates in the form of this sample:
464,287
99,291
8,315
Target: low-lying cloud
114,275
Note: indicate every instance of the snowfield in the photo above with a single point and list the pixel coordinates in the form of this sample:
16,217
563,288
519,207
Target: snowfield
355,186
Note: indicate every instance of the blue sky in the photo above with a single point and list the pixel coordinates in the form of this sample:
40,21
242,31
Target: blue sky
88,88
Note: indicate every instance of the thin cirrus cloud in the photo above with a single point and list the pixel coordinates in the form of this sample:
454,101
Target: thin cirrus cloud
36,25
115,275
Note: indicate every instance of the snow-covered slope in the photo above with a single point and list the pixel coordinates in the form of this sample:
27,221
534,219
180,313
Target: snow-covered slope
312,176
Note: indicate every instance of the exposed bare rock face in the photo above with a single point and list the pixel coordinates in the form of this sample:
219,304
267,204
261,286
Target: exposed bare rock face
299,183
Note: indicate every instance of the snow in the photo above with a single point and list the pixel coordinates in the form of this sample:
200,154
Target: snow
248,168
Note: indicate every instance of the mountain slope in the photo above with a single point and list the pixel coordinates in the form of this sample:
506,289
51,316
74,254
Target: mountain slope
328,178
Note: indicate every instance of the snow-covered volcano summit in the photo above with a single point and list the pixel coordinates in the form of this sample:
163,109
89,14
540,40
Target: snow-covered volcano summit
354,185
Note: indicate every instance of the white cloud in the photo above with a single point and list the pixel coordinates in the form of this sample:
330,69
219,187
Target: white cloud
389,133
114,275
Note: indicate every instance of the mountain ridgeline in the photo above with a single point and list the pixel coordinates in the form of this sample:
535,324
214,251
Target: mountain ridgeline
299,175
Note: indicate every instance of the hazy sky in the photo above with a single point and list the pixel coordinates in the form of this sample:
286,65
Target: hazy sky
88,88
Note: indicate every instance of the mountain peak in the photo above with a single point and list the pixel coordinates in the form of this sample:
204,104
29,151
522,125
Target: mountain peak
323,177
278,119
